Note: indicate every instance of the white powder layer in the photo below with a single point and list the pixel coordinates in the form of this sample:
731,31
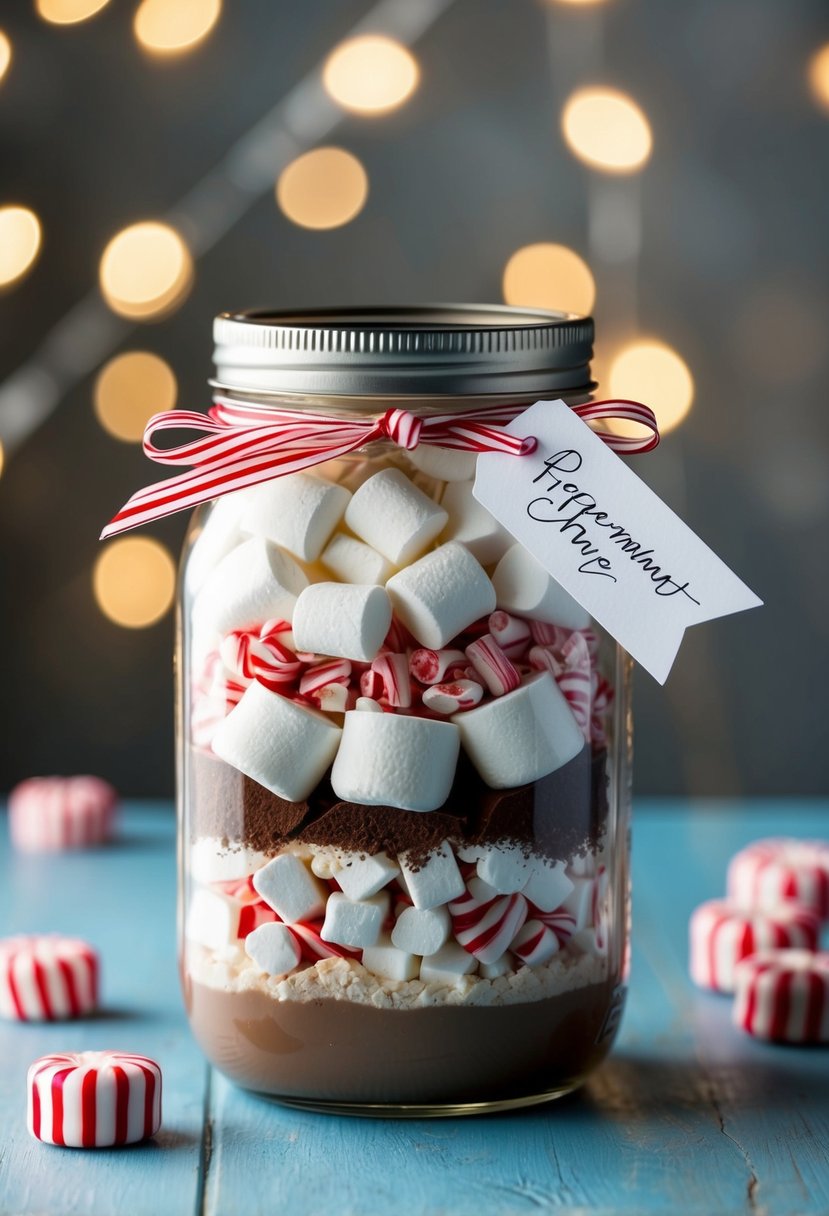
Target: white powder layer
345,979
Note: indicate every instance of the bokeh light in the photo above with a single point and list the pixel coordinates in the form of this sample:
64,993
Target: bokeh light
134,581
2,458
67,12
129,390
146,271
324,188
818,76
580,3
606,129
5,55
172,27
549,276
370,74
652,372
20,238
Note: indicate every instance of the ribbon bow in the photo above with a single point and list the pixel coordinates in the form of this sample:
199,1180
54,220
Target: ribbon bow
244,444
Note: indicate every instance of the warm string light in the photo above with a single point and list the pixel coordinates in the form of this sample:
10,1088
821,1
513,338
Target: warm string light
134,581
173,27
370,74
651,371
146,271
131,388
20,239
5,55
324,188
818,76
607,130
68,12
549,276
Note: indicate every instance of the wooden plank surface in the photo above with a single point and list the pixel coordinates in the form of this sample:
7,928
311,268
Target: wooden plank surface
689,1116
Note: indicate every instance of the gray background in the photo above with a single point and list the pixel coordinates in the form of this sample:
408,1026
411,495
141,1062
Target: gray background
733,273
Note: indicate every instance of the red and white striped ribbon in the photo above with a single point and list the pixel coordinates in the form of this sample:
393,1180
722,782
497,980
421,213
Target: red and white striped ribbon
94,1099
244,444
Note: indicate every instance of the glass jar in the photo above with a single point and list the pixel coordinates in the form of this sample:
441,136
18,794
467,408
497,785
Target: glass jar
404,749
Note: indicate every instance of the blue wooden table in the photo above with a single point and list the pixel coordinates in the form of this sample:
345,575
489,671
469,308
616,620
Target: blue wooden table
688,1116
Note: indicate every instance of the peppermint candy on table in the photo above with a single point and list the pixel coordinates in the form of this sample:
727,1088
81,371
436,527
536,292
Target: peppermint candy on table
94,1099
783,996
47,978
781,869
49,814
722,933
484,922
496,670
454,697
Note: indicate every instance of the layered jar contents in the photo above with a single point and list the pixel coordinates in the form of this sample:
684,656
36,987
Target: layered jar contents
397,799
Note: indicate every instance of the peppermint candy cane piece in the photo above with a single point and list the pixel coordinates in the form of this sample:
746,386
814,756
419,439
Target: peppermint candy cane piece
50,814
544,658
313,948
535,943
234,651
545,634
497,671
316,677
722,933
783,996
781,870
272,662
560,922
575,684
451,698
432,666
393,672
602,695
94,1099
512,634
485,923
47,978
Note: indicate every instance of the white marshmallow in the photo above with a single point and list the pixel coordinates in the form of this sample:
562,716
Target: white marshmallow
325,864
448,966
389,513
361,877
298,512
212,919
470,852
342,620
274,949
389,963
354,562
444,464
588,941
473,526
523,586
579,902
367,705
501,966
217,537
255,583
287,885
439,595
283,746
548,886
212,861
354,922
436,882
505,868
522,736
395,760
421,930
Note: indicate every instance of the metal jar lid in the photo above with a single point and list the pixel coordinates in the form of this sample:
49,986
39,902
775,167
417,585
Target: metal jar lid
424,350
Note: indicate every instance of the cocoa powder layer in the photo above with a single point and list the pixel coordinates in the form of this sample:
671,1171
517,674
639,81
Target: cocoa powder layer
339,1051
557,816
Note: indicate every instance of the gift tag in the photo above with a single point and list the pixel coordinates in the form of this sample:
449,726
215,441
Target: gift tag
606,537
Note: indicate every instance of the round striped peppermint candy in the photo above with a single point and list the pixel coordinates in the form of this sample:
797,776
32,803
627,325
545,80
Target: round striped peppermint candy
780,870
49,814
722,933
47,978
783,996
94,1099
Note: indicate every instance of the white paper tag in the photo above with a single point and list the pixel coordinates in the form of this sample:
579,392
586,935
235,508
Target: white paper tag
606,537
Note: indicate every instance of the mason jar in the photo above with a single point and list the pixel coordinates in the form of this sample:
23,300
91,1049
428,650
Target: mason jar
404,749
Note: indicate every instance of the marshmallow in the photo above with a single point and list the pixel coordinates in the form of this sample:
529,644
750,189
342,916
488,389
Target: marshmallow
501,966
353,562
354,922
213,860
421,931
439,595
505,868
212,919
579,903
473,526
256,581
434,883
360,877
548,886
535,943
522,585
283,746
219,534
288,886
367,705
591,942
342,620
298,512
389,513
274,949
444,464
449,965
522,736
385,960
395,760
